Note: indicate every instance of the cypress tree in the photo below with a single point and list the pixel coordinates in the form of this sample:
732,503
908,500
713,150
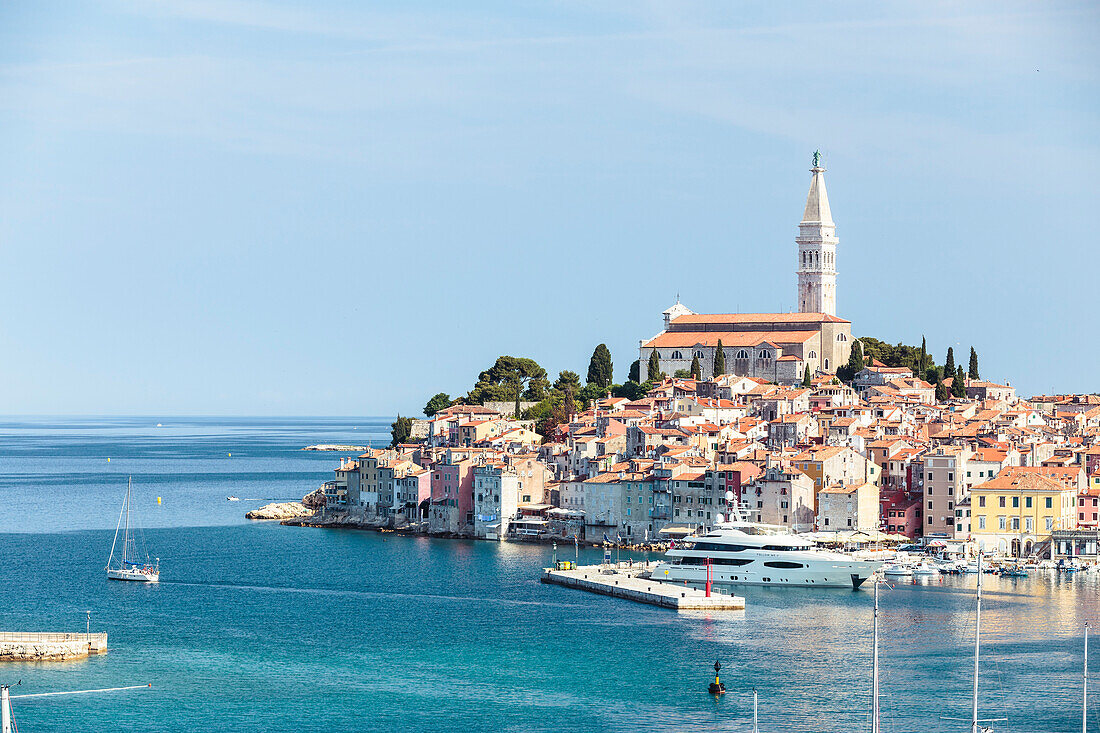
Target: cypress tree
635,374
653,372
719,360
942,392
923,355
973,373
949,365
806,377
958,384
696,369
600,367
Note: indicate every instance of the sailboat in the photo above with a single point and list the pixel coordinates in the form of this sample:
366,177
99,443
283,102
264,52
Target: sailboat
129,567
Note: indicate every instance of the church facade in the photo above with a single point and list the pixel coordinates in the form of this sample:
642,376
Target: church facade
777,347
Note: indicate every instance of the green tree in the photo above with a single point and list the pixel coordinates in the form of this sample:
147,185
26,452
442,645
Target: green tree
696,368
806,380
400,430
567,381
510,378
949,363
923,356
440,402
635,374
942,392
719,360
933,374
973,371
631,390
854,366
958,384
681,374
653,370
590,393
599,367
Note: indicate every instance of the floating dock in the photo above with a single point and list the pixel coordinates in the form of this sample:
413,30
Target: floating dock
18,646
627,582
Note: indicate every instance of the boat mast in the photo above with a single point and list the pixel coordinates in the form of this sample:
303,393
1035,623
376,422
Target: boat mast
126,537
5,709
874,668
1085,686
977,648
755,729
115,540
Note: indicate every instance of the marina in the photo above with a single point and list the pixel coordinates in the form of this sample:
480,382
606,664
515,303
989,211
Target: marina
628,583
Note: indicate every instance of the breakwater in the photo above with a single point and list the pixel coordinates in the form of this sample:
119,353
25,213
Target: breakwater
16,646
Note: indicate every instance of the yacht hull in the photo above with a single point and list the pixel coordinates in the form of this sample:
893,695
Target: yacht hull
135,575
816,573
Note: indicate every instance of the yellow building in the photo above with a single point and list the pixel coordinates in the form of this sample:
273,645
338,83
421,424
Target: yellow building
1019,509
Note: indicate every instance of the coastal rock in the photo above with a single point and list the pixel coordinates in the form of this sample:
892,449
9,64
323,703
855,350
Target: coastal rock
314,499
284,510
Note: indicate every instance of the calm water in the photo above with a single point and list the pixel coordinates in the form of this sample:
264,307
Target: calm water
262,627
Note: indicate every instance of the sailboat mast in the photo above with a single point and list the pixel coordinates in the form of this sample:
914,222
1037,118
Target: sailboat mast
874,668
977,648
1085,686
126,537
115,540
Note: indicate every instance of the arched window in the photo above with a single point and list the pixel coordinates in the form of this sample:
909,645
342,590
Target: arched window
742,354
677,355
841,337
765,355
812,355
826,365
698,354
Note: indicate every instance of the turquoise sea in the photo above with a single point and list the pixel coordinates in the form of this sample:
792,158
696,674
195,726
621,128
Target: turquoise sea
261,627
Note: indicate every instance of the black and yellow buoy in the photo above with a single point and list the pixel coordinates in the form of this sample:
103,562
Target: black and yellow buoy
716,687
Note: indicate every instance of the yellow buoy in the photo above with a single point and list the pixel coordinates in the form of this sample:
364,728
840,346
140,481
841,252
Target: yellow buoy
158,499
230,455
108,460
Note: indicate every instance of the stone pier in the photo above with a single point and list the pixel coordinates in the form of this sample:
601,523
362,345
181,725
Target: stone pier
18,646
627,582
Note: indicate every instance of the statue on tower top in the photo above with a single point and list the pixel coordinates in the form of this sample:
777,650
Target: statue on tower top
817,159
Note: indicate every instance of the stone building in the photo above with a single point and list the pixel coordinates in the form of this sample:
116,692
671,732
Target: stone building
777,347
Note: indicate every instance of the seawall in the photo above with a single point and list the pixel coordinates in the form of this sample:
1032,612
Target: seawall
18,646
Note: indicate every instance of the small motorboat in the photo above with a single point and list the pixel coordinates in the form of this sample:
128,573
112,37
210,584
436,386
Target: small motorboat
1012,572
232,498
897,571
924,570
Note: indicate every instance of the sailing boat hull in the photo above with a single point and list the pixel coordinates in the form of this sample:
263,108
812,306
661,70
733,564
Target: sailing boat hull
141,576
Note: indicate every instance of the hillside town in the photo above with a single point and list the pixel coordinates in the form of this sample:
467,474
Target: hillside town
797,424
879,456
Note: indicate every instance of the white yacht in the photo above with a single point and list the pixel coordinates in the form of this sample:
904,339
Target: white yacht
750,553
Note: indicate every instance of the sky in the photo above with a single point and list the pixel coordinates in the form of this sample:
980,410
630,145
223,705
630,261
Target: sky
342,208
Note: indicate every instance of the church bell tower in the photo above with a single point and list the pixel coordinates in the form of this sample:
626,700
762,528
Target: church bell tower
817,249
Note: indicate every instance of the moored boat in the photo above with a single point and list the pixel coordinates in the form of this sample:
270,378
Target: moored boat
750,553
129,566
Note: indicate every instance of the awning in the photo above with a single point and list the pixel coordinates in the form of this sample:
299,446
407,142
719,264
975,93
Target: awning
565,513
678,530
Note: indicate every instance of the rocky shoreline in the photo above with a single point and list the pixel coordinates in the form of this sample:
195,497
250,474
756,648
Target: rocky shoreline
286,510
343,520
